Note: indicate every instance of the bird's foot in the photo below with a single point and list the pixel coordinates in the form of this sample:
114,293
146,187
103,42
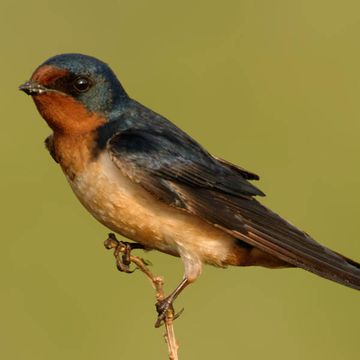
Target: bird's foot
122,252
165,310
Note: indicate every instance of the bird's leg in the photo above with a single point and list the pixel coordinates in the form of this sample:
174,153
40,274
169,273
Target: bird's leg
122,252
165,305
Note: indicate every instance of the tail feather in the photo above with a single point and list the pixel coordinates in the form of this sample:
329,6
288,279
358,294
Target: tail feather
348,260
246,219
275,235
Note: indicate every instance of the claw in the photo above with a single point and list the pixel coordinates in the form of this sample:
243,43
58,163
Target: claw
123,267
178,314
163,308
111,242
122,252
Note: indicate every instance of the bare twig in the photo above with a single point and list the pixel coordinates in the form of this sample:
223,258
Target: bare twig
122,253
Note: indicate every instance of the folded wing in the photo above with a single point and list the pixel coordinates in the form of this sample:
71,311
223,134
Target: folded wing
219,192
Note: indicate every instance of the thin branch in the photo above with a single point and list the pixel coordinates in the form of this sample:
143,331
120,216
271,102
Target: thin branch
122,253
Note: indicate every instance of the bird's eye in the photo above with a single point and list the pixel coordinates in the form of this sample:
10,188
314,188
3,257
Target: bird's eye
82,84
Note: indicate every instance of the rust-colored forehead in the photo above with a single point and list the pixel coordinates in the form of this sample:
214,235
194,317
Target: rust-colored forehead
46,74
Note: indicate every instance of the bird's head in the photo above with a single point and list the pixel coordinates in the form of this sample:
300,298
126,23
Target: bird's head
75,93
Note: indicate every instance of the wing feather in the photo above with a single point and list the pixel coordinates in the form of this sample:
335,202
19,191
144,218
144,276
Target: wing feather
192,180
253,223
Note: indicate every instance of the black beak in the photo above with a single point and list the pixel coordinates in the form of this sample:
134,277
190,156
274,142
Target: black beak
32,88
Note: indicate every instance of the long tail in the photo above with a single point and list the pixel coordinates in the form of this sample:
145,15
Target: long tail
246,219
269,232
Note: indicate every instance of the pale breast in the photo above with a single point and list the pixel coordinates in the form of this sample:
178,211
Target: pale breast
128,209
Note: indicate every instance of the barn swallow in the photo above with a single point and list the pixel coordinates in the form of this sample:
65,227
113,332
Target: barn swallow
144,178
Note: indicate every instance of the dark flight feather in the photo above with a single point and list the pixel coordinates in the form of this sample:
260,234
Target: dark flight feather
219,192
253,223
166,156
245,173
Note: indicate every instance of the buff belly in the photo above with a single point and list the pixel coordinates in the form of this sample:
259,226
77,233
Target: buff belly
126,208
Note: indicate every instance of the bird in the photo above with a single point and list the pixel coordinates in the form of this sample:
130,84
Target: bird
144,178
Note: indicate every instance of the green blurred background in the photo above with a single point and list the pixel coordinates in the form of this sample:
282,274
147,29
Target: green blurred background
271,85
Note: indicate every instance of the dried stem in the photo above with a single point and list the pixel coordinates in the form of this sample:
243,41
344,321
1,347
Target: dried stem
122,253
